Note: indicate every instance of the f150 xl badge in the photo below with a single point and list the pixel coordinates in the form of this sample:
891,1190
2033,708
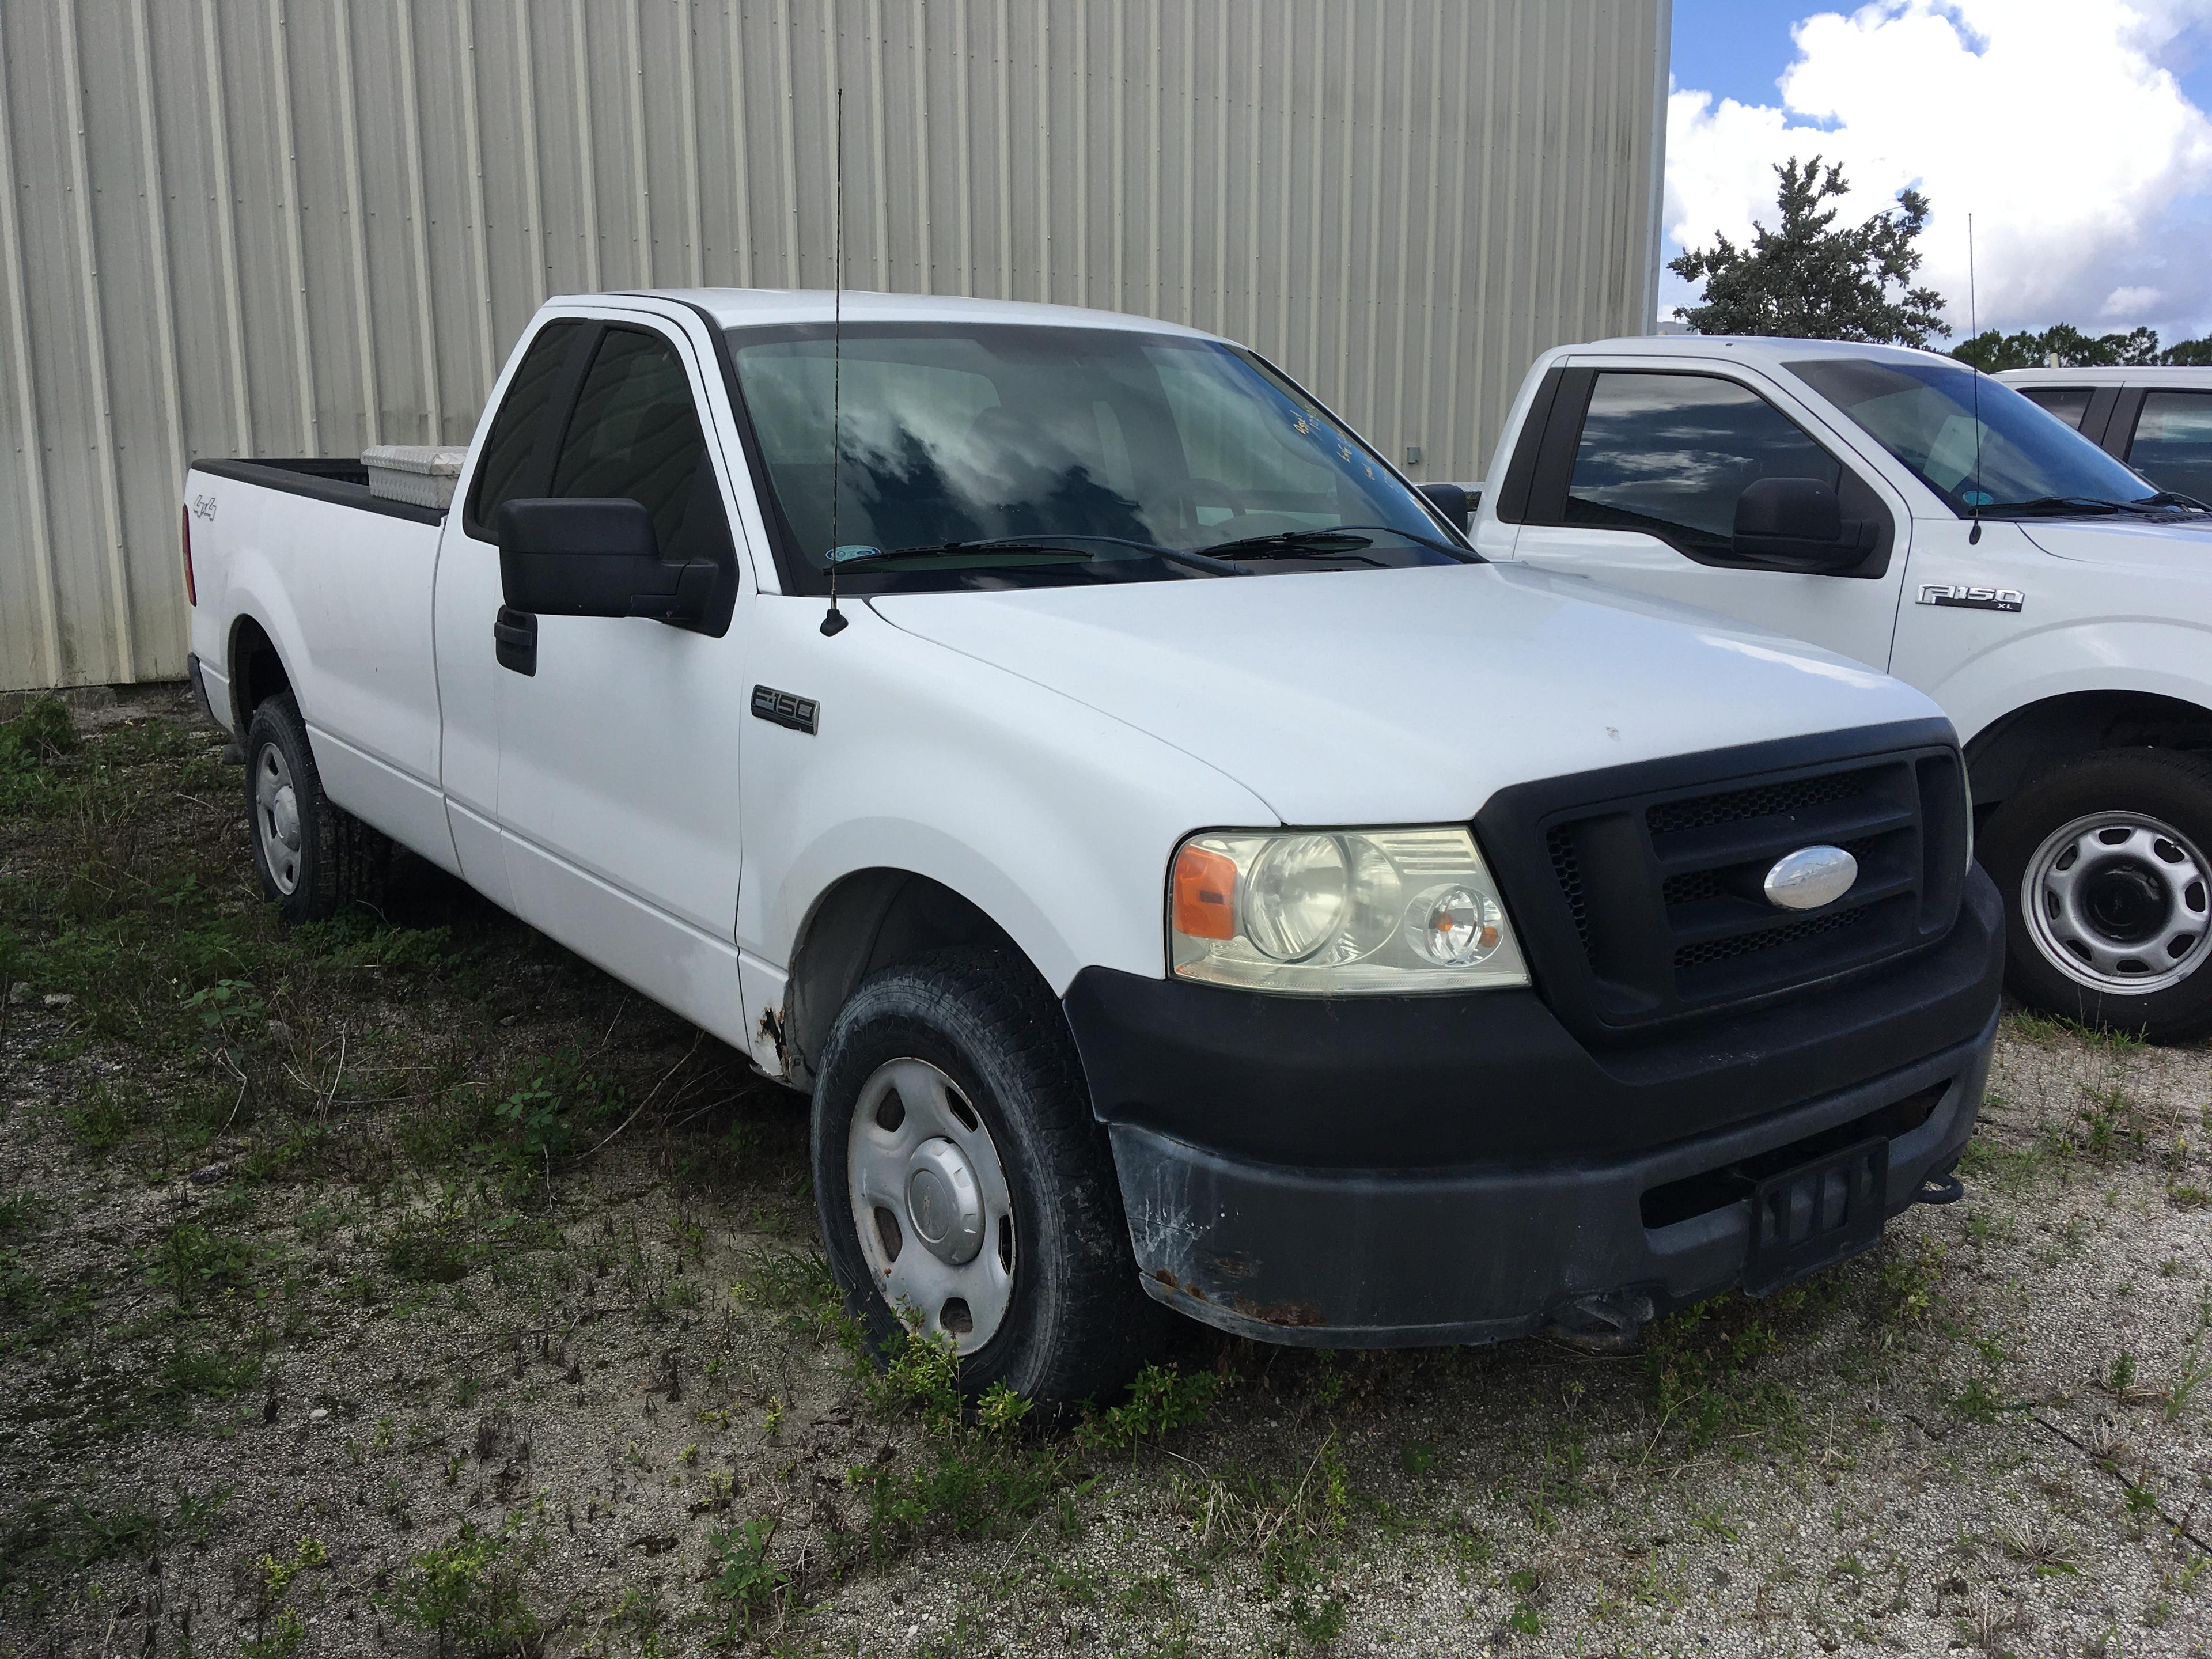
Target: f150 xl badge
782,708
1972,599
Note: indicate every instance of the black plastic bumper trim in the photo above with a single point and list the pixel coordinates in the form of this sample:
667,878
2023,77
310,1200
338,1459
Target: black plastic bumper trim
1389,1258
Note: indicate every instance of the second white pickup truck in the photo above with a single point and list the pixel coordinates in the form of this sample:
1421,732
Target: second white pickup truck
1899,508
1179,869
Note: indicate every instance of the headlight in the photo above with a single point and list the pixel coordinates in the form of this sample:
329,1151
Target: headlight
1325,911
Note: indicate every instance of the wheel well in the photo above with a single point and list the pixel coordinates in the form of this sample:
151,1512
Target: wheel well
257,672
868,920
2009,753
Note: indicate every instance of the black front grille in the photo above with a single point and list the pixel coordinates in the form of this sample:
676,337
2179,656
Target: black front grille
1766,800
1656,891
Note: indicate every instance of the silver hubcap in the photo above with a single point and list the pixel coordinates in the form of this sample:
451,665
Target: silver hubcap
931,1205
2117,901
276,817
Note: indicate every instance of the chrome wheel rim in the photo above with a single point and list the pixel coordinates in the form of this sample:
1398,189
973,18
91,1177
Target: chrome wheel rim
2117,902
930,1204
276,817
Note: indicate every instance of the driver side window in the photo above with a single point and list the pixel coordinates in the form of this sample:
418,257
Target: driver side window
635,432
1670,454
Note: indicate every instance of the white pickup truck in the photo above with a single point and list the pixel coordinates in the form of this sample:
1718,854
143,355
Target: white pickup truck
1896,507
1175,864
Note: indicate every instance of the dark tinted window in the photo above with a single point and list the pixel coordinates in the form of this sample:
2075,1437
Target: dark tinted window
505,470
636,434
2173,445
1670,454
2069,403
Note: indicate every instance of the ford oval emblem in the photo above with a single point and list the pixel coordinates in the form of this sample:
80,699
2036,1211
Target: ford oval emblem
1810,878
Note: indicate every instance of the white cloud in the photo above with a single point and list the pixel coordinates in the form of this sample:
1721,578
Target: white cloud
2052,122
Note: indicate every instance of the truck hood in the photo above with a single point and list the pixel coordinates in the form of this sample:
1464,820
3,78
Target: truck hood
2182,547
1402,696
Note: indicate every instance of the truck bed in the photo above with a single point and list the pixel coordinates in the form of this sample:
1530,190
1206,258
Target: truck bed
338,479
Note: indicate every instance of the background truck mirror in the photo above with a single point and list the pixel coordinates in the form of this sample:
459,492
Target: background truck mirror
1452,502
594,558
1793,524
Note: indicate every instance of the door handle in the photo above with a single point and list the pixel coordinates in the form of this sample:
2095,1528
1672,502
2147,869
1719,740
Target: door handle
514,639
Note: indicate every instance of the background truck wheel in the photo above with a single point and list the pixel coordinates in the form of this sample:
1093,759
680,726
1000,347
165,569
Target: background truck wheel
962,1181
312,856
2105,863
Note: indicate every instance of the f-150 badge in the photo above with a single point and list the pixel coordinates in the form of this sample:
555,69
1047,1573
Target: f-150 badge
1972,599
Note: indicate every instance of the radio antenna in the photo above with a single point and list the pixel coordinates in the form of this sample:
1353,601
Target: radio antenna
1974,329
835,623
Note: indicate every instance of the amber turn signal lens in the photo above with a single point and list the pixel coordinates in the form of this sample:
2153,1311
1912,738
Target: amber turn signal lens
1205,894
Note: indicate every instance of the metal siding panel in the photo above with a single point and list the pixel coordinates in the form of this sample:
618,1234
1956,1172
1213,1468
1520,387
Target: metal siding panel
274,228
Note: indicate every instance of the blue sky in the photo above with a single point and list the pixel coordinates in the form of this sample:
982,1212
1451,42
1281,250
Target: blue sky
2102,218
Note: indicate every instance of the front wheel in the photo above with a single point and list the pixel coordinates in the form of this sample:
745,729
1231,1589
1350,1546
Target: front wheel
2104,864
966,1193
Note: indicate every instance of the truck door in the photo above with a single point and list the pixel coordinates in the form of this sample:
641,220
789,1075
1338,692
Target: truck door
1635,480
617,787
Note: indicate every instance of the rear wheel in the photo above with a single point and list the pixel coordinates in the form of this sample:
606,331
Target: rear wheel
966,1192
311,855
2107,866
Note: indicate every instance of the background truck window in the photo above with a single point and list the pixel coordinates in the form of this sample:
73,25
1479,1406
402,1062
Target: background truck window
2173,445
1669,454
635,432
505,470
2069,403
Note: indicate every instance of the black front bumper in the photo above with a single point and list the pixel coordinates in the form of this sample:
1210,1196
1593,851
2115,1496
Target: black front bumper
1380,1172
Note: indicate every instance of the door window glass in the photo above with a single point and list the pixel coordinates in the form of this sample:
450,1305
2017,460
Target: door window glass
636,434
504,470
2173,445
2069,403
1668,454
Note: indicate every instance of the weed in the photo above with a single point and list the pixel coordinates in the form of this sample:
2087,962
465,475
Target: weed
196,1266
467,1593
797,1285
432,1250
39,736
559,1105
745,1576
2120,1375
1162,1399
1977,1402
2191,1374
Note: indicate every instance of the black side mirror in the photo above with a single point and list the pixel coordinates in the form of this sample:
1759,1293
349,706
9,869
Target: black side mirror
594,558
1793,524
1454,502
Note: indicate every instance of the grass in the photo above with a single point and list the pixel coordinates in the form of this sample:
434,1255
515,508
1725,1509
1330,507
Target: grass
450,1256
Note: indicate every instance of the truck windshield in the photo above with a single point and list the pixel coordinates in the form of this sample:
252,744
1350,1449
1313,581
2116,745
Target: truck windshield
973,456
2026,462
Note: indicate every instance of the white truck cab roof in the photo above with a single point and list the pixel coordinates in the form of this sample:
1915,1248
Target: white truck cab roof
755,308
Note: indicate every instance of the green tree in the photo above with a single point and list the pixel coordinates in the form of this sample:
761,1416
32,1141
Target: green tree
1809,280
2064,346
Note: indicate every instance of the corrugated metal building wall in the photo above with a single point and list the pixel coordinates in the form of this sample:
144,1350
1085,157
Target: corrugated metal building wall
298,227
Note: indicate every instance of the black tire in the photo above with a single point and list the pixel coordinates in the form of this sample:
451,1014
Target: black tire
1077,1324
337,858
2163,787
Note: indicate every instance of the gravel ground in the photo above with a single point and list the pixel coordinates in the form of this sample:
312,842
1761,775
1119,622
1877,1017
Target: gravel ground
408,1287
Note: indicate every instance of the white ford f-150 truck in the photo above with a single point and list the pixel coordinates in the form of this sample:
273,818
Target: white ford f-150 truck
1178,868
1899,508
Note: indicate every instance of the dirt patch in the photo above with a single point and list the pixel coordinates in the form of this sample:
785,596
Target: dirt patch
403,1284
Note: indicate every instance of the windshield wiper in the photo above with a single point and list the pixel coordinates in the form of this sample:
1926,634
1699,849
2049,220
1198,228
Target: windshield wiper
1324,543
1056,542
2054,506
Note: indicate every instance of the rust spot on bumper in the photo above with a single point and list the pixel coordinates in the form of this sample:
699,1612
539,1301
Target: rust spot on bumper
1291,1314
